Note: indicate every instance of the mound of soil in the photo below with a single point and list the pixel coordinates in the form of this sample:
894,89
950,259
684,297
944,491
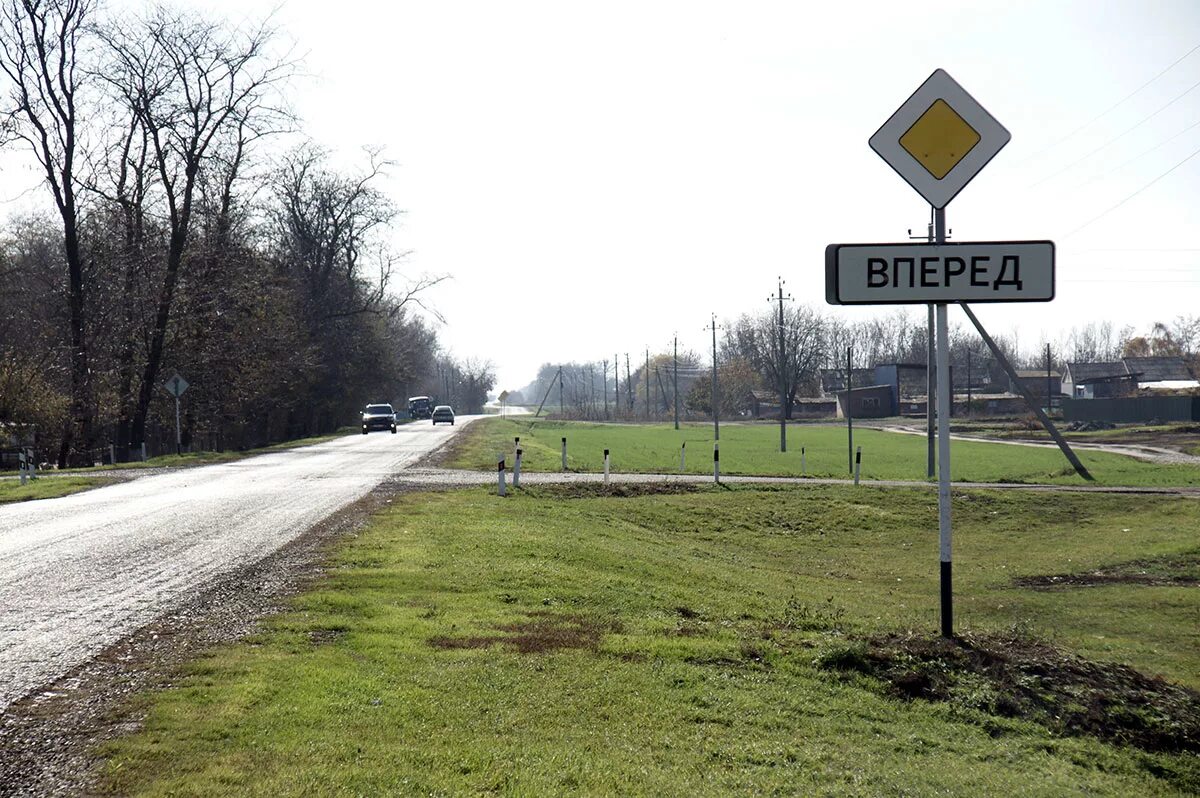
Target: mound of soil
591,490
1013,676
1178,571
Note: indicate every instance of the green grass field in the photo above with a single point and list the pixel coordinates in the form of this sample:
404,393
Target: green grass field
754,449
11,490
668,645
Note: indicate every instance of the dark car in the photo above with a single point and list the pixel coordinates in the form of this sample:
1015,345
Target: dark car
378,417
443,413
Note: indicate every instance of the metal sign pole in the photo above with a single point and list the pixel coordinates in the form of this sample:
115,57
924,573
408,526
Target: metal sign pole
178,437
943,456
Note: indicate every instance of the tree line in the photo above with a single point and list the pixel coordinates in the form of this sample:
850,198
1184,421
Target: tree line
811,341
181,240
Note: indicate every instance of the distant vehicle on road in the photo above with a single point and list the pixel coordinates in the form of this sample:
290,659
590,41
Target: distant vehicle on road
378,417
443,413
420,406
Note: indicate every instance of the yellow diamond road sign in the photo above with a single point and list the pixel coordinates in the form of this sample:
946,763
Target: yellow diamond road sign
939,139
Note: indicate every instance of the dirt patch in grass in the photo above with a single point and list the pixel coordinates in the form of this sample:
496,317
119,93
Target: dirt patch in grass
1177,571
327,636
1014,676
542,633
591,490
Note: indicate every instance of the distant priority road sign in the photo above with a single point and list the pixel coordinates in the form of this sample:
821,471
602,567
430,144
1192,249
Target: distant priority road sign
176,386
939,139
985,271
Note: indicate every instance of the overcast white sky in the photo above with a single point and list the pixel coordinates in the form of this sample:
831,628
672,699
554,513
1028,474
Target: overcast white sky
598,176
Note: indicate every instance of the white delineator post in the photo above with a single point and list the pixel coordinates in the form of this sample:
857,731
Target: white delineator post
606,466
857,463
500,475
517,470
564,454
943,454
22,466
802,463
682,456
716,461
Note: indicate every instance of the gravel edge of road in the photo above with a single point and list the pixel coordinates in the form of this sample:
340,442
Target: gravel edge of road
49,739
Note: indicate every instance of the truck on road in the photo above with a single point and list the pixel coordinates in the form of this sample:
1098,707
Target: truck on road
420,406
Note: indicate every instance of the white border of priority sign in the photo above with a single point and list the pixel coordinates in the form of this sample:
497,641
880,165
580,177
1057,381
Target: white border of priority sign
921,273
992,138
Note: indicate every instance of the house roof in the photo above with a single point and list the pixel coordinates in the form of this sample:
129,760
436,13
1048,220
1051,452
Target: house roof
1158,369
865,388
1030,374
1146,369
1091,371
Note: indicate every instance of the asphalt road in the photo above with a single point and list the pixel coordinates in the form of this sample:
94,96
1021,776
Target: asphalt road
81,572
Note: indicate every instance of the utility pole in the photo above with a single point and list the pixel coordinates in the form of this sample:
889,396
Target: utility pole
616,386
716,398
604,382
675,387
1049,401
850,407
969,413
591,411
629,384
646,376
930,373
562,408
779,296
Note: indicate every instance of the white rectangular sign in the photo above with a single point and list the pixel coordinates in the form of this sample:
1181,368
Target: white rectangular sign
920,273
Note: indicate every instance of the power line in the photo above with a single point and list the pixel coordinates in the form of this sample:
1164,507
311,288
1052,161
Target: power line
1137,157
1134,194
1120,135
1113,107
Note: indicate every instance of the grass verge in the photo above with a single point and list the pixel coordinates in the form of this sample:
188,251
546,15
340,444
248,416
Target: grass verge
11,490
568,641
188,459
753,449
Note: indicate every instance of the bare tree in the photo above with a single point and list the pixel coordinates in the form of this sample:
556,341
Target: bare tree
40,51
755,338
189,83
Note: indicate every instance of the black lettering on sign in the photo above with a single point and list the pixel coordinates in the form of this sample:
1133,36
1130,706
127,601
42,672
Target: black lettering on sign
877,273
979,271
951,270
929,272
1015,280
911,272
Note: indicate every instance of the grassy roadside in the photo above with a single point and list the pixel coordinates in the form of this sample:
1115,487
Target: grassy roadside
754,449
189,459
668,644
11,490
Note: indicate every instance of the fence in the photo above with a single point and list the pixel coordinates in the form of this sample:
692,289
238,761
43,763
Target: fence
1133,409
